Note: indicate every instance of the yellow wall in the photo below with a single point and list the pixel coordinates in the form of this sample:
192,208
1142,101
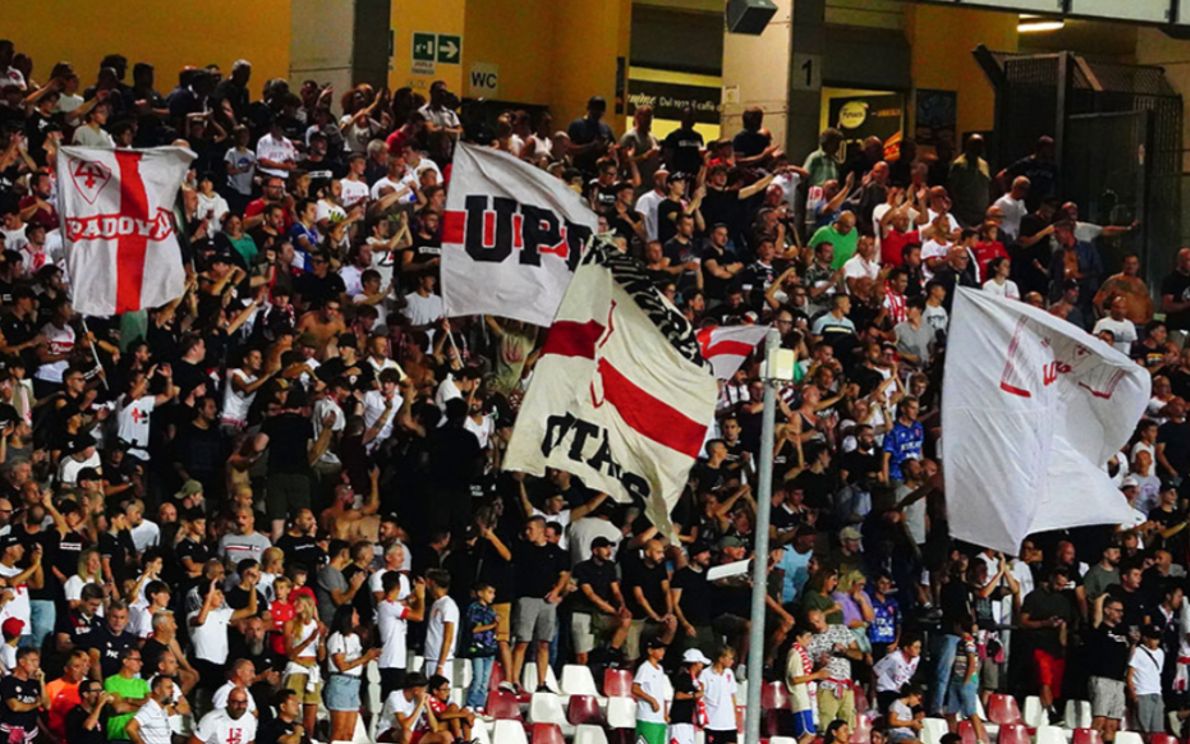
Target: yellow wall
942,39
555,53
167,35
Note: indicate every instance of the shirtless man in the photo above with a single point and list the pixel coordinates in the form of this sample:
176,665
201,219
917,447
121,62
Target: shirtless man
323,323
1138,302
344,522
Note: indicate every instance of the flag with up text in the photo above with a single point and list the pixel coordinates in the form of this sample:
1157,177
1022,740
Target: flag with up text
122,252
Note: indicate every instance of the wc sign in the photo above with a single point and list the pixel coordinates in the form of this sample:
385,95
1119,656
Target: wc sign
484,80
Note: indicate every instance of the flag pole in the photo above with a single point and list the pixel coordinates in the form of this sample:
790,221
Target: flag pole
95,353
760,558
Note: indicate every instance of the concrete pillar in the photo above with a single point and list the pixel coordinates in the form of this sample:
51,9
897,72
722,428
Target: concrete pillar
331,46
756,73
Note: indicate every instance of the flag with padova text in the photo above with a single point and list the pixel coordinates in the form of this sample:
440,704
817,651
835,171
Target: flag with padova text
511,237
621,395
1033,407
116,207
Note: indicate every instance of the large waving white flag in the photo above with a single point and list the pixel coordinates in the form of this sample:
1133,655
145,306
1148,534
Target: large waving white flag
1032,409
621,396
118,226
511,238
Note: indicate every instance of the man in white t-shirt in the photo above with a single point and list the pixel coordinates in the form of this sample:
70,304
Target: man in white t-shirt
864,264
648,689
150,725
17,580
442,630
208,628
136,406
1012,206
275,154
648,203
243,672
392,618
1123,330
354,188
380,409
230,725
423,308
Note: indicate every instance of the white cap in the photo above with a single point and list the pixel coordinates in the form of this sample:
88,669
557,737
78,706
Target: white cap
1129,482
694,656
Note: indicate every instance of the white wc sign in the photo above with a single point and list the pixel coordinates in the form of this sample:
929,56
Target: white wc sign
483,79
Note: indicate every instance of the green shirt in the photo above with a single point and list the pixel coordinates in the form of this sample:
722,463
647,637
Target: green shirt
132,689
819,601
246,247
844,245
822,168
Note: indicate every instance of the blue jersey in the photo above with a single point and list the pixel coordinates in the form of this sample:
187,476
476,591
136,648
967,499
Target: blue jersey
887,617
903,443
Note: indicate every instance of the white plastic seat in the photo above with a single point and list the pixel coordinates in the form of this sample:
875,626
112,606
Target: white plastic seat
1078,714
509,732
546,707
621,713
462,673
588,734
782,740
479,732
1050,735
1034,713
577,680
1128,737
933,729
529,678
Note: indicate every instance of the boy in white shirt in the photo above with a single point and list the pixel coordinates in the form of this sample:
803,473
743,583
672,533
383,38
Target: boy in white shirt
1144,681
719,689
648,689
442,628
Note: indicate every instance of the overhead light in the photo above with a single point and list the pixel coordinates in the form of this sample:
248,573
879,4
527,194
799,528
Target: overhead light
1031,24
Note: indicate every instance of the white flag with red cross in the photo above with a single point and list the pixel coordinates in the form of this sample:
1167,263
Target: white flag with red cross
122,252
726,347
621,396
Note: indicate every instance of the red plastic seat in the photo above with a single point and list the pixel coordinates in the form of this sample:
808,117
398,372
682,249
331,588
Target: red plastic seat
504,705
1003,709
1163,738
1086,736
967,732
1014,733
546,733
862,733
584,709
617,683
774,695
497,675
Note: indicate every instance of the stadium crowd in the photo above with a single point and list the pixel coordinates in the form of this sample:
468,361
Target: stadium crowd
274,509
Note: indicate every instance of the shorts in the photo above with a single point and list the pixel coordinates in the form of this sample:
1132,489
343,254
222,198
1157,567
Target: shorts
1107,697
963,697
285,494
730,625
803,723
533,620
297,683
638,631
503,612
681,733
1050,670
730,736
342,693
651,733
589,629
1150,714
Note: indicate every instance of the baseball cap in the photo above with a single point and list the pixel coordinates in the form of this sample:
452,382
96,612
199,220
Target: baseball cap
694,656
1130,482
656,643
7,541
87,474
731,541
12,627
699,547
849,533
600,542
189,488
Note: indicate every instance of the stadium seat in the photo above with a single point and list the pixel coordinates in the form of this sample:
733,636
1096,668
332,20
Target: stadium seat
1003,709
547,733
577,680
529,678
783,740
1086,735
1162,738
861,703
1078,714
967,732
546,707
621,713
773,695
775,721
588,734
462,673
497,675
1128,737
862,733
503,705
617,683
479,732
1034,713
1054,735
583,709
509,732
1018,733
933,729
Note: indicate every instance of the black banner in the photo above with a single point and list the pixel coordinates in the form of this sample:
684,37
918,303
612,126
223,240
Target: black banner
668,100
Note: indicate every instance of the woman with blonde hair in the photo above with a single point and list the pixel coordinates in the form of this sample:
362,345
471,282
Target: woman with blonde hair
90,571
305,649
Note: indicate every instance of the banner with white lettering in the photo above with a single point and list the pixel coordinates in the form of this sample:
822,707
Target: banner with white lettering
726,347
511,238
1032,409
621,396
118,226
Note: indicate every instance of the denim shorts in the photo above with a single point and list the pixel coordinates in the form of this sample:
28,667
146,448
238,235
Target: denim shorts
342,693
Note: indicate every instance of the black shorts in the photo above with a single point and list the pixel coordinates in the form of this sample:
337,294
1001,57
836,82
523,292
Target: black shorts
391,678
721,737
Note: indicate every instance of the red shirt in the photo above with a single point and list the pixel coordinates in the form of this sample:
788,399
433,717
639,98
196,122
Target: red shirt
892,246
985,251
282,612
64,696
48,220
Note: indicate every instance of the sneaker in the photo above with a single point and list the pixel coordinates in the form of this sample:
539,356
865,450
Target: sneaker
506,686
1054,716
543,688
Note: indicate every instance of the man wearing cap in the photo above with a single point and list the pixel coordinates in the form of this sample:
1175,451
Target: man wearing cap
15,597
687,710
648,689
692,600
600,610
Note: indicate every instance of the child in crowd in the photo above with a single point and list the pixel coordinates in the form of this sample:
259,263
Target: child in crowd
479,643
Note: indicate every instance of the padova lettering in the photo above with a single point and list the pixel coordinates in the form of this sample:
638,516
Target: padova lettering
492,227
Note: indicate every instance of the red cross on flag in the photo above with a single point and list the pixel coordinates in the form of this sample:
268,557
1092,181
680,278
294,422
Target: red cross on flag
117,225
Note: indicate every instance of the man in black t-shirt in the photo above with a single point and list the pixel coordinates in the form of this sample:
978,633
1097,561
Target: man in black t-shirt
285,724
1106,650
109,640
542,572
692,599
590,136
73,628
22,694
1175,293
86,723
683,147
646,586
298,543
599,608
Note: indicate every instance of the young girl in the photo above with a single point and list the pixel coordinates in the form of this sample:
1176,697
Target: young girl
347,664
687,710
903,724
304,647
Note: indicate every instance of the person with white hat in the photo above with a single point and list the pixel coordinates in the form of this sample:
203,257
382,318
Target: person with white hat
687,712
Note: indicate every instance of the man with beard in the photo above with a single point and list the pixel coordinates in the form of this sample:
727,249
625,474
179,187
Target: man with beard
298,542
164,642
692,599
